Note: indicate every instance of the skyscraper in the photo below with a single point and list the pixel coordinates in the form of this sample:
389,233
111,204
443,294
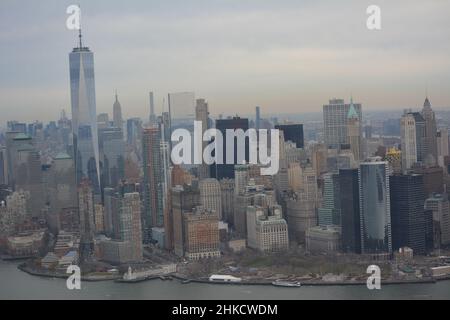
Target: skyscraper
257,118
375,207
430,144
201,114
210,196
292,132
84,114
153,179
335,120
87,222
354,132
330,213
408,141
220,171
117,114
152,109
112,148
350,216
407,212
184,199
130,223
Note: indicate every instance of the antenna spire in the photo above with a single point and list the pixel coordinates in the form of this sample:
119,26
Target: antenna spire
79,30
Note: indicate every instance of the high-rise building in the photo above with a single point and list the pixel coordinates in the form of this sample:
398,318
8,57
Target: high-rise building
292,132
87,220
117,114
349,208
152,109
301,214
63,192
153,179
220,171
134,129
258,118
252,195
335,119
442,146
201,232
210,196
181,109
407,212
375,207
408,141
84,115
112,150
330,212
267,231
394,157
354,132
241,177
130,223
184,200
430,144
201,114
227,192
439,205
3,166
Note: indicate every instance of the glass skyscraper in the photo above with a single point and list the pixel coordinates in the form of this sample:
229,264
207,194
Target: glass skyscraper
375,207
84,115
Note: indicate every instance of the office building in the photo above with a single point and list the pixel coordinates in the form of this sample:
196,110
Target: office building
84,115
201,114
407,212
184,199
117,114
112,150
375,207
293,133
442,146
153,180
430,141
349,209
87,220
267,231
227,193
330,212
354,132
323,239
201,232
335,119
220,171
211,196
439,205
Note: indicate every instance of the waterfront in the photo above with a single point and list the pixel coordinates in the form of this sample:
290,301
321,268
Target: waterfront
15,284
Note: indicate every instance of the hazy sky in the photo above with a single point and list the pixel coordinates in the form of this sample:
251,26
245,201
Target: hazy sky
285,56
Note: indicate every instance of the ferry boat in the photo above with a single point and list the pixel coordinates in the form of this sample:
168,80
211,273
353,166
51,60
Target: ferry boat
284,283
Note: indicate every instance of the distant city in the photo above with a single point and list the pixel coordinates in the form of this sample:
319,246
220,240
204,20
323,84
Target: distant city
101,192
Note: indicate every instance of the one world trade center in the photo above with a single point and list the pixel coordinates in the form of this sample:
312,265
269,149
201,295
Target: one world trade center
84,115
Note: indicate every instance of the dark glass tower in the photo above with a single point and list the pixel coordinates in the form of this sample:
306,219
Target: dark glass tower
409,226
292,132
220,171
350,217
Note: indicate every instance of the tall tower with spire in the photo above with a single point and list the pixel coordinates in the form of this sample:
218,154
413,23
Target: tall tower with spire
117,114
430,139
354,131
84,114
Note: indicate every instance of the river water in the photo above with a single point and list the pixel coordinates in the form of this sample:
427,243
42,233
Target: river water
15,284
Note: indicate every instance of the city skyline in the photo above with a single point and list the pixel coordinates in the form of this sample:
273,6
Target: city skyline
239,55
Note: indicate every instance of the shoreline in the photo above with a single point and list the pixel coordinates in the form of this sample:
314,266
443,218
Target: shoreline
184,280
